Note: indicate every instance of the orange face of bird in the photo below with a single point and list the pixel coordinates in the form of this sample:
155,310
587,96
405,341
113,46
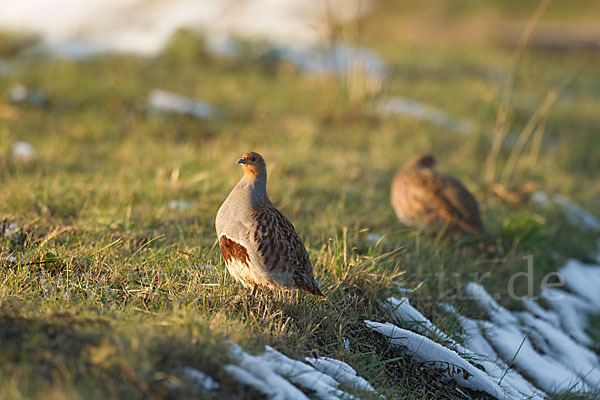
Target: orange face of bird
253,164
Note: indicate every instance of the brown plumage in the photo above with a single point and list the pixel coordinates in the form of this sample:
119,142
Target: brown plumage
425,198
259,244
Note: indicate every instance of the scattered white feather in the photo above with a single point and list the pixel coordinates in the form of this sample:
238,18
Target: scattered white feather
161,101
200,379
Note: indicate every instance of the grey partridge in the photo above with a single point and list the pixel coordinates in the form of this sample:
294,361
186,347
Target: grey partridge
430,200
259,244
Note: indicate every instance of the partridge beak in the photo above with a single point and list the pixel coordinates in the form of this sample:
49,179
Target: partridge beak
242,160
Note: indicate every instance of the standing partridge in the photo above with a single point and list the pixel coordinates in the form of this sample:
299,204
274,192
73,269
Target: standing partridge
259,244
427,199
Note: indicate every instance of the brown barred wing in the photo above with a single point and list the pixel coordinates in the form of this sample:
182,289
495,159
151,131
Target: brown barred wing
450,199
282,249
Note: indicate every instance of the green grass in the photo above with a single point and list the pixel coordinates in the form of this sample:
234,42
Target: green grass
126,300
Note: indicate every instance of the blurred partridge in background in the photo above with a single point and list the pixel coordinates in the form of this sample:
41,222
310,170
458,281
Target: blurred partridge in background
259,244
424,198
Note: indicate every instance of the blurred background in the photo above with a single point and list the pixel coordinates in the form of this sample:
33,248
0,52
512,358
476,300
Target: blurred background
159,96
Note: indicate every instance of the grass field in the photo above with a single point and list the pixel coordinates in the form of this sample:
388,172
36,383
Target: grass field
113,290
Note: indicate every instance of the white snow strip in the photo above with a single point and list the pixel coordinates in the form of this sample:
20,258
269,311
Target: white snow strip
10,259
583,279
166,102
341,372
398,105
10,229
272,385
511,342
496,312
537,310
426,350
200,379
23,150
573,313
180,204
74,28
373,237
576,214
414,320
20,93
485,355
278,376
346,343
340,59
324,386
564,350
256,372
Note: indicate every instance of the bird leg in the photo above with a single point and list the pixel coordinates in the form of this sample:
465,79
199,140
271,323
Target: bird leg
254,290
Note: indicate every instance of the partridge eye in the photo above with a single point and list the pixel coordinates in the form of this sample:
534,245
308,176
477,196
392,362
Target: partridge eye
253,159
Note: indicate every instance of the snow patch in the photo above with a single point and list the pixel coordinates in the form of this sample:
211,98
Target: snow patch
23,151
416,321
276,375
550,358
340,59
180,204
373,237
200,379
397,105
448,361
575,214
81,28
527,353
20,94
10,259
10,229
341,372
161,101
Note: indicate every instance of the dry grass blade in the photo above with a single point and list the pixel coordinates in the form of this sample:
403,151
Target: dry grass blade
502,119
